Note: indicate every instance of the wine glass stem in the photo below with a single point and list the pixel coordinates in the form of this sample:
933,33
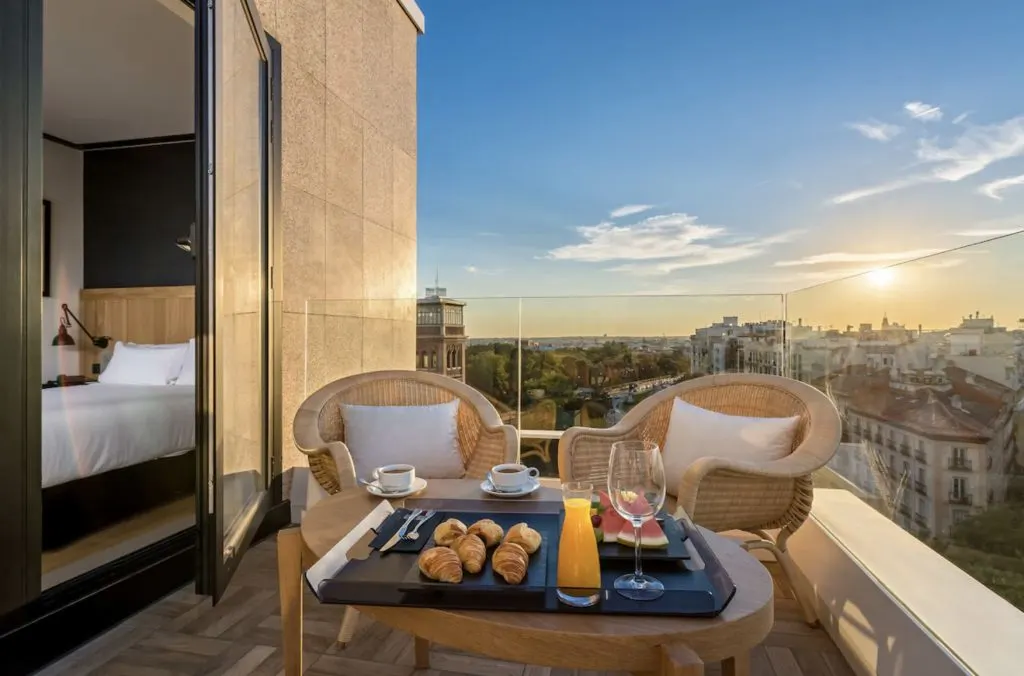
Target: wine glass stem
637,572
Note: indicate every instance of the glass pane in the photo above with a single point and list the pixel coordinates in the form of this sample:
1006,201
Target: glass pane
588,361
924,361
240,219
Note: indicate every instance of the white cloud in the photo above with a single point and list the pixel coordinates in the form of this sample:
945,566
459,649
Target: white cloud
834,257
944,263
923,111
629,210
987,232
661,244
873,190
961,117
973,151
474,270
875,130
993,188
487,234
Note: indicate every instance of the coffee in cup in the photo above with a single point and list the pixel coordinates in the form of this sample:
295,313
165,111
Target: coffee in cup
395,478
512,476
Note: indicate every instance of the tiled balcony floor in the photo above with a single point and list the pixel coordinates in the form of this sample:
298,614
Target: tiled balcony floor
184,635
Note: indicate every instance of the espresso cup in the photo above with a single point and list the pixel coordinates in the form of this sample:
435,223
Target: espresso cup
394,478
512,476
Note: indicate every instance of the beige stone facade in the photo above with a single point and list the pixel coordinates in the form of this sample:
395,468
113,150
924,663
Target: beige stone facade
348,172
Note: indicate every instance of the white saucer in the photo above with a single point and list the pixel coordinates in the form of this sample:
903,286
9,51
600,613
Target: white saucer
418,485
487,487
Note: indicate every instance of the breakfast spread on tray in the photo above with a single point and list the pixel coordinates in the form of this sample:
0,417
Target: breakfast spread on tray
459,548
610,526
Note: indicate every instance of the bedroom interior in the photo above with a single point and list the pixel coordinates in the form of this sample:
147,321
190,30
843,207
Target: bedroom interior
118,364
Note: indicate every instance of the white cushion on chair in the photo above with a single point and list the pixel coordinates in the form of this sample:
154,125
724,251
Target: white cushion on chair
695,432
425,437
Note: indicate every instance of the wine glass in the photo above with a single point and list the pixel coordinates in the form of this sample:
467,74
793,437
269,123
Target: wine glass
636,487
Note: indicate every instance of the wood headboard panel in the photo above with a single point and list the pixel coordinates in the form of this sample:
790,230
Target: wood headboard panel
148,314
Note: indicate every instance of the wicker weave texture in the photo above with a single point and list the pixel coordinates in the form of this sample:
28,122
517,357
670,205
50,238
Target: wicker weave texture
717,493
320,430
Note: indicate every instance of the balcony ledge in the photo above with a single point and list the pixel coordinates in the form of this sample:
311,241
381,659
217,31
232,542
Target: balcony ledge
892,604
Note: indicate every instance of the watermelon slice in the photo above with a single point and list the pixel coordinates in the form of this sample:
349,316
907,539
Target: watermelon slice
651,536
614,528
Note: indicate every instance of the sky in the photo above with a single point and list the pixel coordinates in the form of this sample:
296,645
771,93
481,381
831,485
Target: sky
691,147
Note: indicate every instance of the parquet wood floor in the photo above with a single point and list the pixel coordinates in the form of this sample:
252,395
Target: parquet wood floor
183,635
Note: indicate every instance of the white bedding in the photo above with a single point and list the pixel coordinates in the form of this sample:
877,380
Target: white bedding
90,429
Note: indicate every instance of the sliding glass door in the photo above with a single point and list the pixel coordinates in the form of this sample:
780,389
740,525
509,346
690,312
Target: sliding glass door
233,102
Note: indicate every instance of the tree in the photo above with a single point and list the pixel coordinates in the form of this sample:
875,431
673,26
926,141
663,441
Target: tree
488,372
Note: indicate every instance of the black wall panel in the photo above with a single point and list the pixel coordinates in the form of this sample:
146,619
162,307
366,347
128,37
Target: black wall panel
137,202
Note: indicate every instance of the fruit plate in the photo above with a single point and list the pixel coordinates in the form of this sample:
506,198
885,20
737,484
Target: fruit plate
677,549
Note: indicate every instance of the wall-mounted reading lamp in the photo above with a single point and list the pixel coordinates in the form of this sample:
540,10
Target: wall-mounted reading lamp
185,243
63,338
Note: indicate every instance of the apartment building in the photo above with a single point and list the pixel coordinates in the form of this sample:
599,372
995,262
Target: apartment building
932,442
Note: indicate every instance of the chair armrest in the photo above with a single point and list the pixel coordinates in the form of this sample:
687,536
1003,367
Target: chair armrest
802,462
495,445
332,466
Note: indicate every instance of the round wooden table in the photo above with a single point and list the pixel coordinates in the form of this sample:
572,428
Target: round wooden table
626,643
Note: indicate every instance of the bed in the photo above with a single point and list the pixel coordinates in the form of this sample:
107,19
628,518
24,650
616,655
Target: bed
109,451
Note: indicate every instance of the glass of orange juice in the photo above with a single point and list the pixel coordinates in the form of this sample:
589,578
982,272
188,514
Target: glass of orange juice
579,569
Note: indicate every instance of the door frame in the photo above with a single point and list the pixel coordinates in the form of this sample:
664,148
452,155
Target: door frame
60,619
21,202
214,571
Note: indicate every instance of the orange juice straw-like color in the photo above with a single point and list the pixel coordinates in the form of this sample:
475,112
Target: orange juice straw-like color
578,564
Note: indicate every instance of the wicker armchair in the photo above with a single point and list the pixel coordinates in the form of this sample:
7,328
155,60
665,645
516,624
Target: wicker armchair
320,432
722,494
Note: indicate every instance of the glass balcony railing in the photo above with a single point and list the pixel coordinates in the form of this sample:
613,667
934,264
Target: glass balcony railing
906,349
932,349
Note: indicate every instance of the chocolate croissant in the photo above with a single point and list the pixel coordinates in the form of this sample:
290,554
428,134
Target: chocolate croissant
441,564
488,531
471,551
525,537
510,561
448,532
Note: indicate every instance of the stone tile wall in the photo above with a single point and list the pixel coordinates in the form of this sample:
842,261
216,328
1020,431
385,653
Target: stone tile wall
348,191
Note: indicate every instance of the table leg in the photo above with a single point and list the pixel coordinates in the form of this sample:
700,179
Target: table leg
737,666
422,648
679,660
289,583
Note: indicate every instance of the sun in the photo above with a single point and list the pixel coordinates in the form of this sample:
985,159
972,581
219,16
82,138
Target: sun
881,277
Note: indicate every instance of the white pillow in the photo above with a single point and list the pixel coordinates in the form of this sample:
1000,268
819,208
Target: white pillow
138,365
187,375
422,436
695,432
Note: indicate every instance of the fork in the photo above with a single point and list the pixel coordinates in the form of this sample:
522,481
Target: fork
414,533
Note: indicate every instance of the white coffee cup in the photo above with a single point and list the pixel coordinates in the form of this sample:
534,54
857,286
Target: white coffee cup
512,476
395,478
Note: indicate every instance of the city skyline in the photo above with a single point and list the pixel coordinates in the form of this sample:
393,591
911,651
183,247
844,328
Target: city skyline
668,148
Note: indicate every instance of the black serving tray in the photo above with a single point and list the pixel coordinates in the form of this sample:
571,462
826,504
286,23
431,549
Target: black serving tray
394,578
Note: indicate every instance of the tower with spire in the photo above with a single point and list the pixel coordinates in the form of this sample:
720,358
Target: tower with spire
441,332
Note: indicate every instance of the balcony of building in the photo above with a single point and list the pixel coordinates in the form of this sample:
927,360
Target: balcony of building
865,569
957,464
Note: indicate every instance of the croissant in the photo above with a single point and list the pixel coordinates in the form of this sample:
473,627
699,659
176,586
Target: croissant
448,532
510,561
488,531
471,550
525,537
441,564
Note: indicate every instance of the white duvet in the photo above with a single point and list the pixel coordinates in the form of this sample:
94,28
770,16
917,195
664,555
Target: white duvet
90,429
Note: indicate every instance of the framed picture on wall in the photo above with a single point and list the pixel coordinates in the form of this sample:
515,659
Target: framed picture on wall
46,248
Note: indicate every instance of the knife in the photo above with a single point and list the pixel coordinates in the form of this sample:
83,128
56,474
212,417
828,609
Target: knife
401,531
